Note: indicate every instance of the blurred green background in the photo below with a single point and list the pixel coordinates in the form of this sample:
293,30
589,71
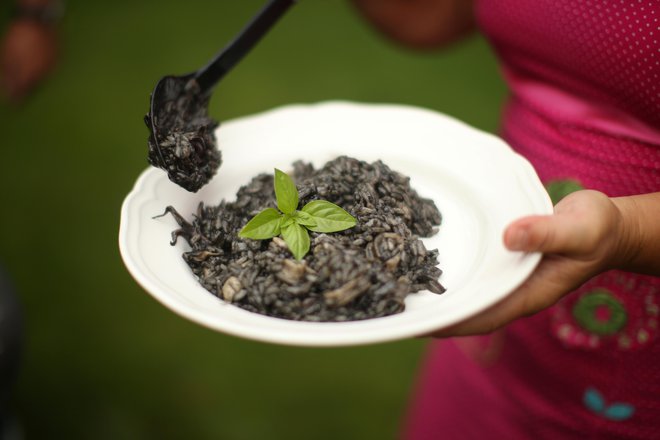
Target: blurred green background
104,360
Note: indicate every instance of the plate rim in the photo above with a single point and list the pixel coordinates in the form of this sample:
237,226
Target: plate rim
524,170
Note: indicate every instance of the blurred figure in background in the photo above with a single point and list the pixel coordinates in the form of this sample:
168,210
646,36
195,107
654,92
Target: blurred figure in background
584,109
28,52
29,47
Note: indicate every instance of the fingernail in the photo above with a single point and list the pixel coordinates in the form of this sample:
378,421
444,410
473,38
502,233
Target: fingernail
518,240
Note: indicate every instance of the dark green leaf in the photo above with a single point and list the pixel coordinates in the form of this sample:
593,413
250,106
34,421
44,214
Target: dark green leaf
264,225
297,239
285,192
328,217
304,218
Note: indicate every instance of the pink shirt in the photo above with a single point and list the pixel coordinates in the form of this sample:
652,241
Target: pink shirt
585,110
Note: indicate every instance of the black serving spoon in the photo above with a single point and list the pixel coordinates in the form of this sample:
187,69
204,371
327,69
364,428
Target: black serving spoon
182,140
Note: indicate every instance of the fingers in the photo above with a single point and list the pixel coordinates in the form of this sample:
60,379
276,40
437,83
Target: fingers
547,234
554,277
517,305
576,241
582,223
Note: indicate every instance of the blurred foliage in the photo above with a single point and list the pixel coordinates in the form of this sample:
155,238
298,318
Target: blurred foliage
104,360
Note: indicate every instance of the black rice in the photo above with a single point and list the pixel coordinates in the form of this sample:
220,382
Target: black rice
186,145
363,272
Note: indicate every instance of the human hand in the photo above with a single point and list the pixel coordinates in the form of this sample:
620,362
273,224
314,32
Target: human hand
585,236
27,54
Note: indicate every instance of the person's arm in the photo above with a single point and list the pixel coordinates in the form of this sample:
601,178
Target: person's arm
641,219
588,234
420,24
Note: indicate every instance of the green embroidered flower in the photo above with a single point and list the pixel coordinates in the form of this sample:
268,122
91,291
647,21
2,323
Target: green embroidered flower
600,312
558,189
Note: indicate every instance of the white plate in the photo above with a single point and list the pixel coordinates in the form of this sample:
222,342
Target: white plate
479,184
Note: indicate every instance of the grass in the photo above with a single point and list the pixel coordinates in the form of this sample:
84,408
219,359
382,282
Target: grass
104,360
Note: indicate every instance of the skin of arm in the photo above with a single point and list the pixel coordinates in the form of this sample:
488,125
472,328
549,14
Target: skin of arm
420,24
588,233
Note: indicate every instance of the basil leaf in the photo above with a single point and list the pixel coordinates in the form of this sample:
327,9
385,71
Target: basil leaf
287,219
285,192
304,218
264,225
328,217
297,239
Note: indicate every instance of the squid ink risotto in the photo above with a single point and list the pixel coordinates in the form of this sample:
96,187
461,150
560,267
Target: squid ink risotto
362,272
185,146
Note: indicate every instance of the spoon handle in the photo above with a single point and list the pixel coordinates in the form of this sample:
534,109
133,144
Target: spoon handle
209,75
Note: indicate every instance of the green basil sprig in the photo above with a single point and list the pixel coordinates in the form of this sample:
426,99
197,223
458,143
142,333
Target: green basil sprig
291,224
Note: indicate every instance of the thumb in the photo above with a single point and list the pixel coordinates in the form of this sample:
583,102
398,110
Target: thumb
557,234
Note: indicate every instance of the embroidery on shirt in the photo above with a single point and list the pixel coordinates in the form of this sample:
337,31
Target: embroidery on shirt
617,411
615,309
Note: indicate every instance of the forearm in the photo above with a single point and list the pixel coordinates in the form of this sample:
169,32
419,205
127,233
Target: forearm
640,233
420,23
